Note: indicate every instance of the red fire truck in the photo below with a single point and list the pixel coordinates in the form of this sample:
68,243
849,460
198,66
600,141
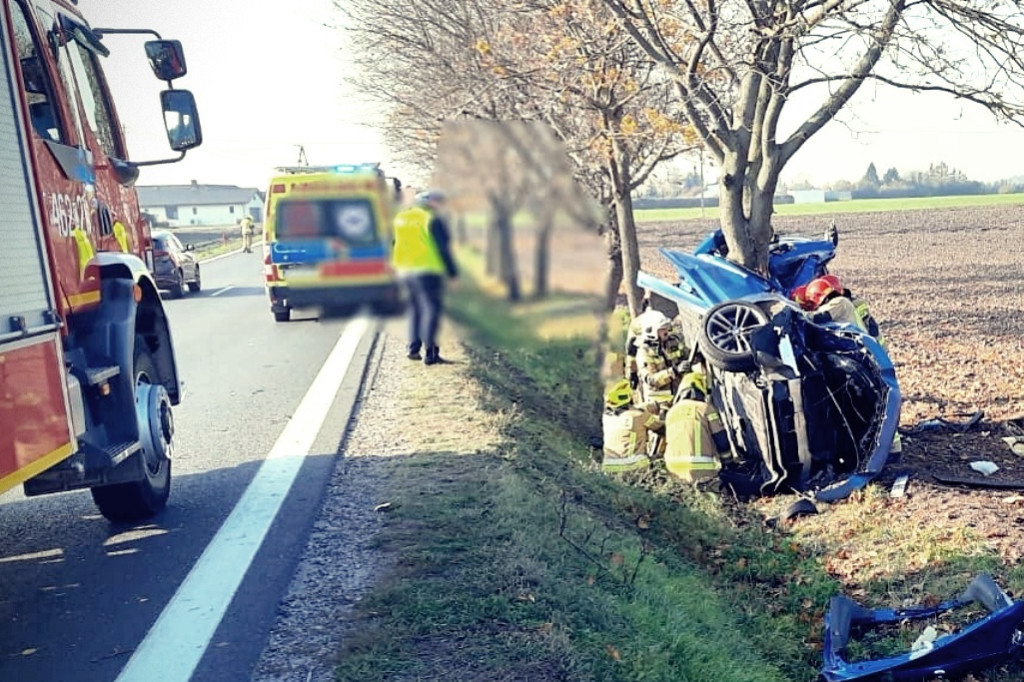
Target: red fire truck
87,369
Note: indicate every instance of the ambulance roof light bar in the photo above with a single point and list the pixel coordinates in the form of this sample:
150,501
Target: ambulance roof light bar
338,168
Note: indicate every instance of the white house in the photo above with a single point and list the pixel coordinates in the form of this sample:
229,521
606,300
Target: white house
195,204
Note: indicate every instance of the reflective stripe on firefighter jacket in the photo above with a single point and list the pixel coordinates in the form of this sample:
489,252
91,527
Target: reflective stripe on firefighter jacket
694,439
625,441
415,250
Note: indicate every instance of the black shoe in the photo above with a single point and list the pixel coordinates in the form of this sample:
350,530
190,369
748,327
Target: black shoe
414,356
433,357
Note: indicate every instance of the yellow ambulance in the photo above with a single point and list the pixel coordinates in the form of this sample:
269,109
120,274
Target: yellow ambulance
327,240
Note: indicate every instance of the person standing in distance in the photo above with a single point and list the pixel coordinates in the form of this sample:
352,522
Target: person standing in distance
247,231
422,259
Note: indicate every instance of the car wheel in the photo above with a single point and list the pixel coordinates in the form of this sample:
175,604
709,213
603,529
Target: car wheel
282,315
197,284
178,286
141,499
725,335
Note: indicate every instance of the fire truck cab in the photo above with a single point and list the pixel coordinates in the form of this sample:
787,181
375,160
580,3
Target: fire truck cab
88,375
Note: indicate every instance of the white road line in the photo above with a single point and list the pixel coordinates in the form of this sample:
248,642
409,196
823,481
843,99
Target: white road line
174,645
221,291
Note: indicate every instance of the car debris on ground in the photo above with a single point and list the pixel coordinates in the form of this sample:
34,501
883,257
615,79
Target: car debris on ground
996,638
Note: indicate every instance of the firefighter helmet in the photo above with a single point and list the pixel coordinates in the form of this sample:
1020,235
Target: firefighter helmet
821,288
619,395
799,295
651,323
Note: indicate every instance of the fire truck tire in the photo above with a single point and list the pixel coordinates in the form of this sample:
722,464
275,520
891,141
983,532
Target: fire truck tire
178,288
141,499
198,283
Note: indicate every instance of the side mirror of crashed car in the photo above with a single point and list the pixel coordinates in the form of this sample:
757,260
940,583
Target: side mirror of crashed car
181,118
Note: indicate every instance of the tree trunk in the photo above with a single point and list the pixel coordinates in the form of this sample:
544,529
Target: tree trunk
492,248
745,210
613,279
461,236
507,273
619,168
542,259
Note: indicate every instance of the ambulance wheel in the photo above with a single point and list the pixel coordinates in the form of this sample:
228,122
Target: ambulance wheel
141,499
283,315
725,335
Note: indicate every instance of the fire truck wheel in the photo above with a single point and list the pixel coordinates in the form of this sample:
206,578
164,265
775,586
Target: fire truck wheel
141,499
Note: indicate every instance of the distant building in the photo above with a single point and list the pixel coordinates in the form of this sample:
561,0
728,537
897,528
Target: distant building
195,204
818,196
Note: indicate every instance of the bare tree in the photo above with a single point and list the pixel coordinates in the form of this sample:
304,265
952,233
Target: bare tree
600,92
738,65
567,64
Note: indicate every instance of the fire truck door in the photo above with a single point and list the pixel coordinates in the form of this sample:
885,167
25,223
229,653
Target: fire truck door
63,165
35,429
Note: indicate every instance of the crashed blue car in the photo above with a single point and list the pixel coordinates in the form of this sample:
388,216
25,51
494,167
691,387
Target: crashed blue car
808,406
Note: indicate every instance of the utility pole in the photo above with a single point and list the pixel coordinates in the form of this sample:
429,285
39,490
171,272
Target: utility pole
303,161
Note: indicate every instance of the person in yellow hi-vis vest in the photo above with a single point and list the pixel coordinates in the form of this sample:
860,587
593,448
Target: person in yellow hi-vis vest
695,439
422,259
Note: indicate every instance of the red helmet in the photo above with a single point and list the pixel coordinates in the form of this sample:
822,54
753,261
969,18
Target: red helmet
799,295
821,288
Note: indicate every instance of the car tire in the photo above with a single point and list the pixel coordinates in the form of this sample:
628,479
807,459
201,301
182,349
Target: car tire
178,286
282,315
724,338
197,284
141,499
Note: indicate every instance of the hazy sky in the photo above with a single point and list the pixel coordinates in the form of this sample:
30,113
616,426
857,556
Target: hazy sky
266,75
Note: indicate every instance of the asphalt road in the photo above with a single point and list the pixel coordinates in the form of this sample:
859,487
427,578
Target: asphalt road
79,594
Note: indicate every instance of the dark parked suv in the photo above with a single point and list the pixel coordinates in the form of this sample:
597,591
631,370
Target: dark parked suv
174,265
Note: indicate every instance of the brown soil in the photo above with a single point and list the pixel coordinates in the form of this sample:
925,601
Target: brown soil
947,287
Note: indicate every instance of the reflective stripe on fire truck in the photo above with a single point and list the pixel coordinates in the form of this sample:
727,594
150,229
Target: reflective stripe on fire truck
36,467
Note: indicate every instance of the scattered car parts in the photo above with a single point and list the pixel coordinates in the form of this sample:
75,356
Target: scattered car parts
994,639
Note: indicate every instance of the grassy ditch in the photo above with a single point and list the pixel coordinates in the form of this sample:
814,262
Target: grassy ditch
216,248
522,561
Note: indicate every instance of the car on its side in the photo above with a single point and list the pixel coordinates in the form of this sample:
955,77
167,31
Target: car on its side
175,265
808,404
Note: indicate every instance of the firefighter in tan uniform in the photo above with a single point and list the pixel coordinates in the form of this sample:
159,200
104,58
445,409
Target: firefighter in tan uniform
659,358
625,432
695,440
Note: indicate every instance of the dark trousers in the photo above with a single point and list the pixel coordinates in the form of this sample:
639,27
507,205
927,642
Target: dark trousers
426,299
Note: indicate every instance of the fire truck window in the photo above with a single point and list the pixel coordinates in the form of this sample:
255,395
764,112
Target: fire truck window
37,81
94,100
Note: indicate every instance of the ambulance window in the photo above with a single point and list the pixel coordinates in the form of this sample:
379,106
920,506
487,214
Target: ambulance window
38,89
94,100
298,219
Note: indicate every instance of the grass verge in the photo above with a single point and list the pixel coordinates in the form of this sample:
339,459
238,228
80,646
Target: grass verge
519,560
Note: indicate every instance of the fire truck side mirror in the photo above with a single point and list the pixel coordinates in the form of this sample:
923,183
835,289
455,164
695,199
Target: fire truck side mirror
181,119
166,58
